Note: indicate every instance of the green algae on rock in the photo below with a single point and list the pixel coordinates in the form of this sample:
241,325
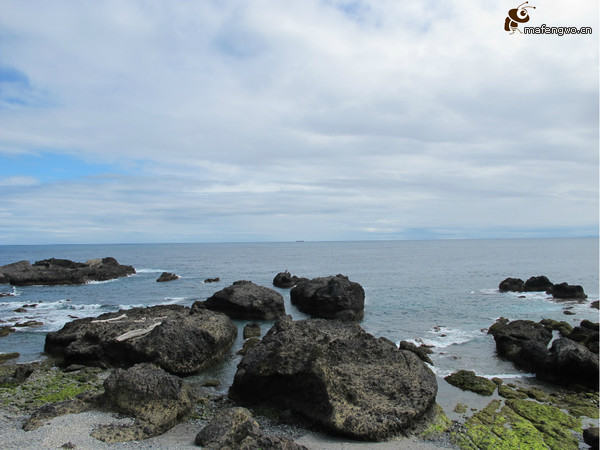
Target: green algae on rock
468,381
519,424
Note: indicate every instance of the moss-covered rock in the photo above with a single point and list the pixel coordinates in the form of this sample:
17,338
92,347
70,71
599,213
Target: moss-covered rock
468,381
438,424
508,392
519,424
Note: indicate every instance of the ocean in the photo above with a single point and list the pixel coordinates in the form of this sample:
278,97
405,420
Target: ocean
442,292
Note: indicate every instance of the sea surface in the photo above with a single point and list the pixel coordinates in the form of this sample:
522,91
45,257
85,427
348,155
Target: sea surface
442,293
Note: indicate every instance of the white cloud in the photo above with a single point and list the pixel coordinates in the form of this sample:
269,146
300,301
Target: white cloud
307,115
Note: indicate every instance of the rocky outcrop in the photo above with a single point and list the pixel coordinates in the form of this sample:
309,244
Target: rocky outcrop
155,398
567,291
422,352
177,339
234,428
167,276
337,375
245,300
333,297
212,280
525,343
62,271
286,280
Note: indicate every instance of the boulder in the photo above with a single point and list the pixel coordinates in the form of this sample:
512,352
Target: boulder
234,428
421,351
512,285
337,375
212,280
167,276
525,343
540,283
177,339
286,280
566,291
156,399
62,271
587,334
333,297
245,300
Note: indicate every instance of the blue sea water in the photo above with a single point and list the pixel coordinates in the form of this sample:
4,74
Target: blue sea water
442,293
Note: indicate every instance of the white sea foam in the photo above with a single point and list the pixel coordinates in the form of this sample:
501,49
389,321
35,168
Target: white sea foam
149,271
443,337
112,280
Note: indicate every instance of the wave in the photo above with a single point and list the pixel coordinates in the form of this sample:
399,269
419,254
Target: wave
445,337
444,372
150,270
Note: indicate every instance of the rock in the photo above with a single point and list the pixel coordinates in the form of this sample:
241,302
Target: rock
5,331
251,330
52,410
337,375
20,310
6,294
564,328
29,323
167,276
179,340
250,342
155,398
333,297
6,356
286,280
212,280
234,428
62,271
245,300
540,283
468,381
526,344
21,373
591,437
421,352
512,285
595,304
566,291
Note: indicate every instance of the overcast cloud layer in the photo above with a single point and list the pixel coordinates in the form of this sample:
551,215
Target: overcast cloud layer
179,121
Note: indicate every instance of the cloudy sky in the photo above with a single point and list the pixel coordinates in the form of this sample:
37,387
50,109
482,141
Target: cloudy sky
263,120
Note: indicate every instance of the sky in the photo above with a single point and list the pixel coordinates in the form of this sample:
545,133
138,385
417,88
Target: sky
224,121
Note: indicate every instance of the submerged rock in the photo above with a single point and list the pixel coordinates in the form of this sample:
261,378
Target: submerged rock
245,300
155,398
337,375
62,271
167,276
333,297
175,338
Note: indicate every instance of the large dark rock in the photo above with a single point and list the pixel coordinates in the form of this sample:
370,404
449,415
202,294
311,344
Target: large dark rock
591,437
566,291
62,271
587,334
333,297
178,340
155,398
286,280
512,285
234,428
245,300
337,375
525,343
540,283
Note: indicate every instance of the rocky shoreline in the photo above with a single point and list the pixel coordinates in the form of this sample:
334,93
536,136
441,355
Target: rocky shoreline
319,375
